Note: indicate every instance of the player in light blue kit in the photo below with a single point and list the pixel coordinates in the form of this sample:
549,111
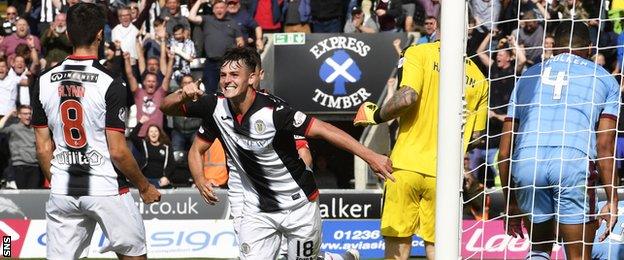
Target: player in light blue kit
563,113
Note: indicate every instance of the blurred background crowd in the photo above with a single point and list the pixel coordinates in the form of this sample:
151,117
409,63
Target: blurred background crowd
160,45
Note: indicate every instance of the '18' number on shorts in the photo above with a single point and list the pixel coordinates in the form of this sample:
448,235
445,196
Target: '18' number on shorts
306,250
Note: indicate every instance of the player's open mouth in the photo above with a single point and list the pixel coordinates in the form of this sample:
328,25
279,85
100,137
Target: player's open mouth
230,88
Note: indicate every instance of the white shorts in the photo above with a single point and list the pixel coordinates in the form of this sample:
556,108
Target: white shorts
261,233
71,221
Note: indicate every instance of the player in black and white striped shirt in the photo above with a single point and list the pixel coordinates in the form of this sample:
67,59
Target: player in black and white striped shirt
79,112
257,132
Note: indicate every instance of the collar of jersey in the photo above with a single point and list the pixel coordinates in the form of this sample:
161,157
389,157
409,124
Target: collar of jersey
78,57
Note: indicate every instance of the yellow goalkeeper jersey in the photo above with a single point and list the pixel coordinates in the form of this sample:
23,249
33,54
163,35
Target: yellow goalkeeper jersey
416,146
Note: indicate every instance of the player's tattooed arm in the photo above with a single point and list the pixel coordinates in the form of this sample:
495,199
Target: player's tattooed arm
401,101
45,148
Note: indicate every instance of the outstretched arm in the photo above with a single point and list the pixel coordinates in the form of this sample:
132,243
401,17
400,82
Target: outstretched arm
380,164
370,114
193,17
134,85
483,56
172,102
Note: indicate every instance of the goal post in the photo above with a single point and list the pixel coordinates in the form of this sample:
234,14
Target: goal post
450,158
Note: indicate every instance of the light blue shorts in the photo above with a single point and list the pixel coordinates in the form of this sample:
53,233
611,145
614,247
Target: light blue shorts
551,182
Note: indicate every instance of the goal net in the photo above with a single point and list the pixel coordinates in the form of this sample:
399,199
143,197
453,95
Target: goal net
507,38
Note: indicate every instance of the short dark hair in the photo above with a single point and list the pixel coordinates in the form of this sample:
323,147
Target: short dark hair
84,22
178,27
20,107
244,54
578,31
147,73
187,76
431,17
258,59
158,21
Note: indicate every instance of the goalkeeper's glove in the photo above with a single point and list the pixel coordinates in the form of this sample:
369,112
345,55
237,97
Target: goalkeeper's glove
367,114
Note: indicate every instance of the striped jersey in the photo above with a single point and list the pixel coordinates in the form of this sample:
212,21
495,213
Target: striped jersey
78,100
261,147
558,103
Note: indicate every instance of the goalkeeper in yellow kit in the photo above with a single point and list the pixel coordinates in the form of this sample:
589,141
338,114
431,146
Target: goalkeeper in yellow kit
409,203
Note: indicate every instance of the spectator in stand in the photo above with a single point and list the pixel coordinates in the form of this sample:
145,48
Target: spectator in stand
502,70
154,64
549,43
156,153
184,128
485,13
387,13
114,60
8,96
172,15
65,5
153,40
220,33
134,10
149,95
23,6
599,59
268,14
184,50
431,7
297,16
582,10
431,31
126,33
327,15
139,14
8,25
359,24
530,36
55,41
46,12
26,67
21,35
409,10
24,161
252,32
8,89
26,62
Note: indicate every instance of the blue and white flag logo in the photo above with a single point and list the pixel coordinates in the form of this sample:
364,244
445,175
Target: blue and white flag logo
340,69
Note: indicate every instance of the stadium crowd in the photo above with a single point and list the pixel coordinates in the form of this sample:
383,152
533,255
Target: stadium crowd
160,45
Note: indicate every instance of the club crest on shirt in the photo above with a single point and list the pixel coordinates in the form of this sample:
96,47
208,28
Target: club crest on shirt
244,248
260,126
122,114
201,129
299,118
